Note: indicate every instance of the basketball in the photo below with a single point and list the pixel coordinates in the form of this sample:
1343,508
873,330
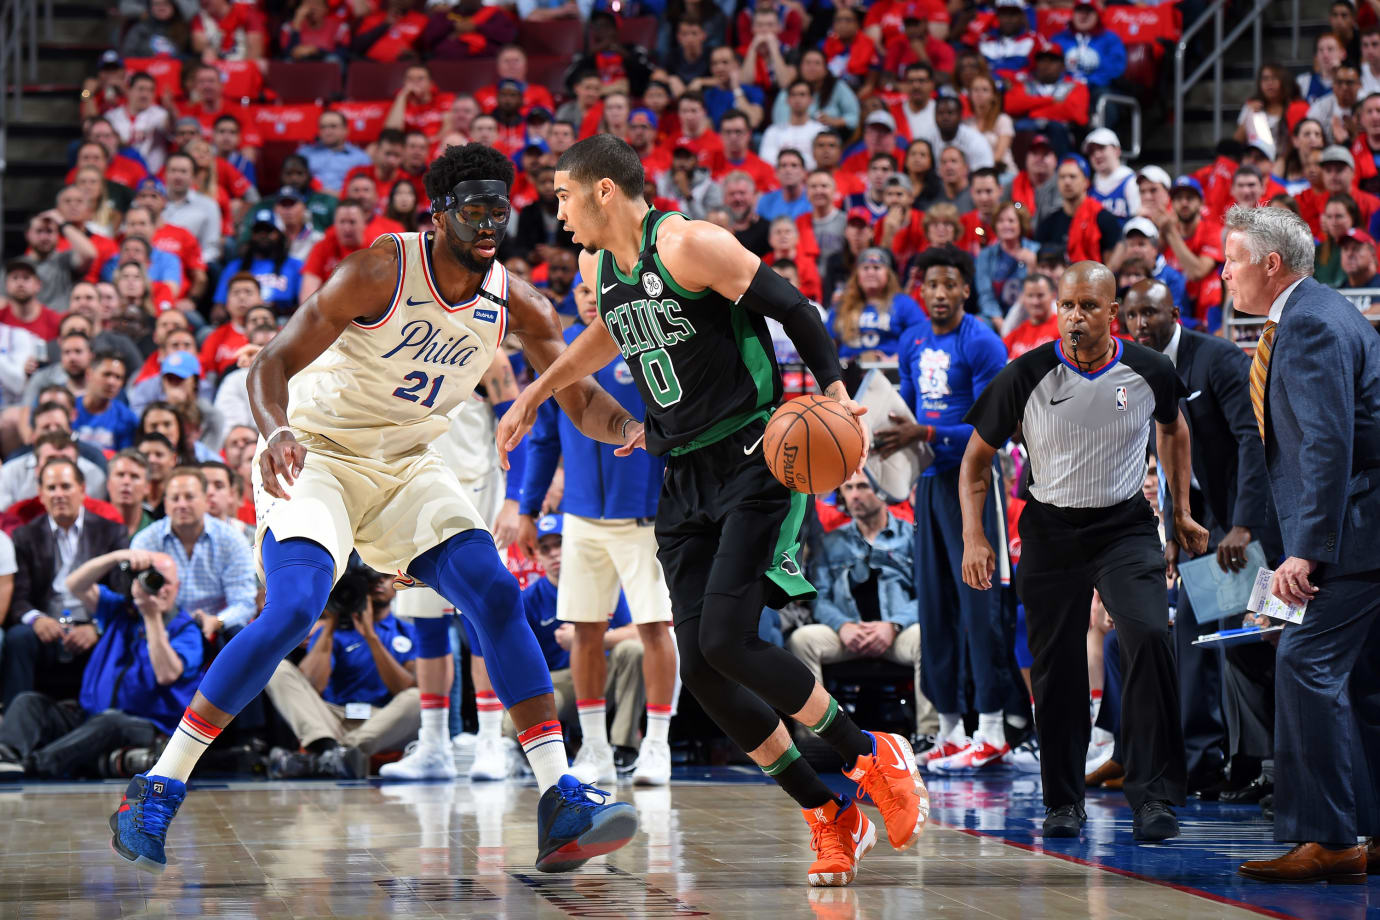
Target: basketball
812,444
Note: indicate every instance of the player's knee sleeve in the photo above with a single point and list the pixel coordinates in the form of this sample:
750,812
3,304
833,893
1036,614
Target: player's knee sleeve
433,636
467,571
299,574
472,638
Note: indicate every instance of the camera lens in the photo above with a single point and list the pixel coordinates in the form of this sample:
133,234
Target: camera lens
151,580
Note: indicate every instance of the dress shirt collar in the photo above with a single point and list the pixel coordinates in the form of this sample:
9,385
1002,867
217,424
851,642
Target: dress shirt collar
74,530
1277,308
1171,351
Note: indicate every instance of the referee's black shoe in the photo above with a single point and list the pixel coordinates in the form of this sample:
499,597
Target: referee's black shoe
1065,820
1154,820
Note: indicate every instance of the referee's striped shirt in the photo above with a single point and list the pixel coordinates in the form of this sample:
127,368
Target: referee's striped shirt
1085,434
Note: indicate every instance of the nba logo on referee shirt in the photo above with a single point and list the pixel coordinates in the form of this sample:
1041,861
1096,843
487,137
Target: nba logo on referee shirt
1121,399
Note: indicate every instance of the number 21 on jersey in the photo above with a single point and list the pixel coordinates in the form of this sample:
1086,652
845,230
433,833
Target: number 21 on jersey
420,380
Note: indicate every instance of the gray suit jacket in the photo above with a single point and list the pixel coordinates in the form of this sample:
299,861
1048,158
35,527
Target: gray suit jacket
1322,431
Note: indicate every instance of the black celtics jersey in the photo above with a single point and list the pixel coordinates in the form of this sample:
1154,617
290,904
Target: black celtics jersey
704,365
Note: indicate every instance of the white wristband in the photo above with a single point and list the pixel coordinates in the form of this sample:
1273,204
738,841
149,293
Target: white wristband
277,431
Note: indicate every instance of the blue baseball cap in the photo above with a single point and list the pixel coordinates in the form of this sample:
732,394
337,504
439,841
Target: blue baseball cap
1078,161
550,525
643,113
181,364
1187,182
152,182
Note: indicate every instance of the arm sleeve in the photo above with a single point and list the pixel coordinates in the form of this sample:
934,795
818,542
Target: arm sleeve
771,295
543,454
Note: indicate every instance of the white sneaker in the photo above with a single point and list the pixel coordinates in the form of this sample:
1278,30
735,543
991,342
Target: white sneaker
594,764
1100,748
653,764
1025,757
518,767
490,760
462,749
421,762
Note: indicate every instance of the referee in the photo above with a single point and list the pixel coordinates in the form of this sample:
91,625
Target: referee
1083,405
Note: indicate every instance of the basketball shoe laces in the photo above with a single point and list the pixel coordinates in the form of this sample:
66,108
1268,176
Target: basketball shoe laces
890,803
154,815
579,796
827,840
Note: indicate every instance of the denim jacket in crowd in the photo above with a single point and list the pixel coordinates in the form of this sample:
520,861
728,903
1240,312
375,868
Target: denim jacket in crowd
844,551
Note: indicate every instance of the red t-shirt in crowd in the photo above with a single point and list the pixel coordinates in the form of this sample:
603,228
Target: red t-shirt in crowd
533,95
426,116
218,351
399,40
1031,335
763,176
708,147
239,22
327,254
45,325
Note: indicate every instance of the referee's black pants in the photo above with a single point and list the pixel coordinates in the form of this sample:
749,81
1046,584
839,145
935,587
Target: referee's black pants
1065,554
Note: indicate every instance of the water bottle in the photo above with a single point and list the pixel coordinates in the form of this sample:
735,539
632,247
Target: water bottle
64,653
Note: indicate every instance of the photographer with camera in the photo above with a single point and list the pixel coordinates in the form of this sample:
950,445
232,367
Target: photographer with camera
142,673
355,691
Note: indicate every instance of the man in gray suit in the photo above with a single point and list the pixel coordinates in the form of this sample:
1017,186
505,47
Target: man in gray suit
1315,388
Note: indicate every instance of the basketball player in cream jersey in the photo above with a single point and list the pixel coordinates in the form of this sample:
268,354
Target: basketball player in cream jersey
350,398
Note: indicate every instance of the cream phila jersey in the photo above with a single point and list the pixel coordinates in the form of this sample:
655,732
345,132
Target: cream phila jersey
385,389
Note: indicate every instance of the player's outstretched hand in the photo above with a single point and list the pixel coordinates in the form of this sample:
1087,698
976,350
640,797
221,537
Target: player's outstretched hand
284,457
513,427
979,562
637,437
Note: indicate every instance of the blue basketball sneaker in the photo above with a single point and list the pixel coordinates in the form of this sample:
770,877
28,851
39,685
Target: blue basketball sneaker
572,828
140,825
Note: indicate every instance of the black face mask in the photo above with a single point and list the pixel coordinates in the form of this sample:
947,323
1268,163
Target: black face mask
476,206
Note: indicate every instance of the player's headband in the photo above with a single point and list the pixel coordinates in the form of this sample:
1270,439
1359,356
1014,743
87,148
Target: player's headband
474,206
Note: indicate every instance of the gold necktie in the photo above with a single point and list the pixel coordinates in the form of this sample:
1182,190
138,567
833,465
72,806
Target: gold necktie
1260,373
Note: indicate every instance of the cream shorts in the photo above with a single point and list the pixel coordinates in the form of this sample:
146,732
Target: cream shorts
391,511
596,557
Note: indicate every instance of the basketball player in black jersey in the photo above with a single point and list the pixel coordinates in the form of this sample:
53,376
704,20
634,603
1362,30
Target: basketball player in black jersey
686,305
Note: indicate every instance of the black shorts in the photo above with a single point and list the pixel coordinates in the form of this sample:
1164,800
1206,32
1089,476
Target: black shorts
724,522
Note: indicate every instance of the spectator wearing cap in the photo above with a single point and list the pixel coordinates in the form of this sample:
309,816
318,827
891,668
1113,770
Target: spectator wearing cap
950,131
1046,99
1358,260
152,196
56,269
1086,230
1260,153
1114,184
331,157
290,212
1034,187
799,129
1193,245
789,199
984,187
1093,53
879,136
345,236
142,124
1335,110
724,90
102,419
177,380
838,266
393,33
873,311
735,128
22,308
1154,185
901,229
642,125
171,332
1007,45
214,563
265,256
1142,241
106,90
190,209
1005,258
1338,178
511,64
873,198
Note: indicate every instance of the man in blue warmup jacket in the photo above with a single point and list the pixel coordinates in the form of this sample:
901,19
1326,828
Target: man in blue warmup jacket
609,505
945,364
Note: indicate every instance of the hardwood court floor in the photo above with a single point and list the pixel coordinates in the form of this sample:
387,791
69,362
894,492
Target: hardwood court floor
727,848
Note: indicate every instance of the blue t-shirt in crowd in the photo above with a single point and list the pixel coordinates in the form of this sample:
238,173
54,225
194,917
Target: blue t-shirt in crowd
718,101
278,285
878,331
539,603
354,676
112,429
120,673
774,204
942,376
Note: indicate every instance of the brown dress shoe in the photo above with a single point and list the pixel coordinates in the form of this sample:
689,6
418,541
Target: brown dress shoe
1108,771
1311,862
1373,856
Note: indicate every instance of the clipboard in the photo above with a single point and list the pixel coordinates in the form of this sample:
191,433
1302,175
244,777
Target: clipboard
1242,636
1216,594
893,477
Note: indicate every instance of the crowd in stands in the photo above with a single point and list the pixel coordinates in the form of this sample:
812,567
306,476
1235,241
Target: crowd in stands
210,195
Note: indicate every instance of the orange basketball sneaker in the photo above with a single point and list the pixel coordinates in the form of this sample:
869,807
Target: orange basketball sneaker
891,779
840,835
